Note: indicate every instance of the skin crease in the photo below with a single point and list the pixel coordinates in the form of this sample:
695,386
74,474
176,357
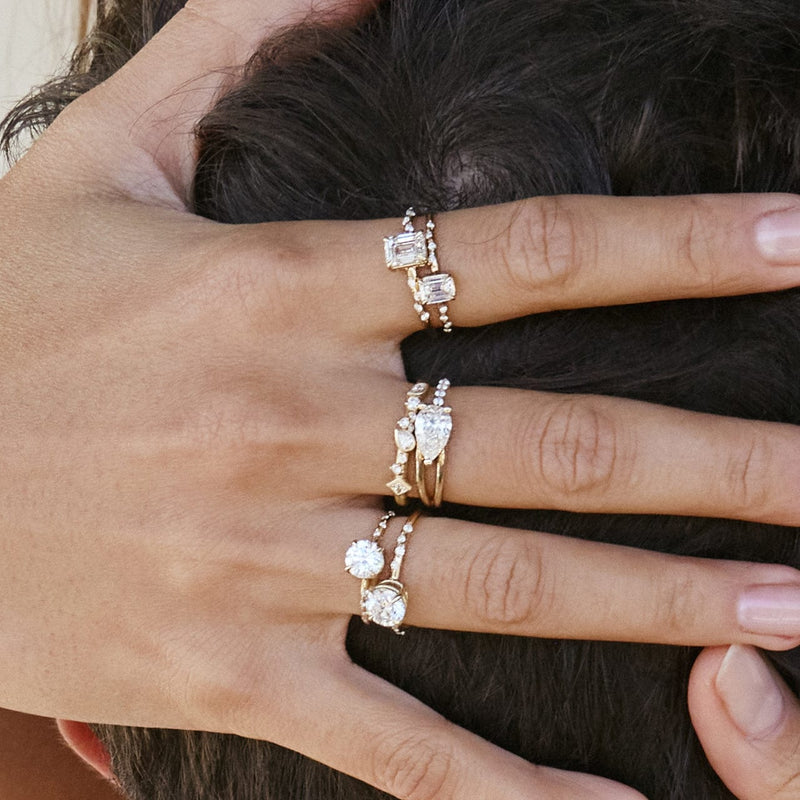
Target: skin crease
176,329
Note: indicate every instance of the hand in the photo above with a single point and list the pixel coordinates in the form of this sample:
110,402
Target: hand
196,420
748,722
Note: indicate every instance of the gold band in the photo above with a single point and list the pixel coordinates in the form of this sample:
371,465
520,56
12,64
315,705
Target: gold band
412,250
433,425
405,443
420,479
385,603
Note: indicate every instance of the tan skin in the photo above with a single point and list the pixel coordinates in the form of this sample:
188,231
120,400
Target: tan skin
182,470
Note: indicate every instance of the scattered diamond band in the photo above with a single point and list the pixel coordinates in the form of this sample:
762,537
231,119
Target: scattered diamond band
405,443
413,250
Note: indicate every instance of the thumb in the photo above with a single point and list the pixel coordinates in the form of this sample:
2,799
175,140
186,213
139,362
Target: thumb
748,722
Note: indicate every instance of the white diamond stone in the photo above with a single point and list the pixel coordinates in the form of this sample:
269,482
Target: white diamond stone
432,428
404,440
385,605
438,288
364,559
405,250
399,486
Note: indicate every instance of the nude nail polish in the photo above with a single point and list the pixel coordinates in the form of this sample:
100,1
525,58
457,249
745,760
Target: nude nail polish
778,236
771,610
750,693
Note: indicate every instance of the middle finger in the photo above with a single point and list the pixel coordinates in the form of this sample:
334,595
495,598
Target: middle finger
523,449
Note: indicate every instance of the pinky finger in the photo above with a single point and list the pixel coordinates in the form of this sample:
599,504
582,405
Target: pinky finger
373,731
748,722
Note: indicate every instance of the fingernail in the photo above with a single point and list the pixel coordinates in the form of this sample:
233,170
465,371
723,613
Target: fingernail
778,236
771,610
750,693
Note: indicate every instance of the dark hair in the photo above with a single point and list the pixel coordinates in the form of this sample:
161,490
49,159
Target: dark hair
450,103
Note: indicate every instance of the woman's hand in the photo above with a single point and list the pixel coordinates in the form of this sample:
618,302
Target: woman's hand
196,420
748,722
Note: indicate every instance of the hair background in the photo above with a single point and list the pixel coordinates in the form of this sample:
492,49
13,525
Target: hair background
451,103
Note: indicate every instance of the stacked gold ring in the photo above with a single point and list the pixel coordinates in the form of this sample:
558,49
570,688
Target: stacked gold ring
414,250
384,602
422,434
433,425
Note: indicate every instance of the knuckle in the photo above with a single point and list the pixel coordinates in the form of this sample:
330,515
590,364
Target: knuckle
746,476
677,607
575,448
506,584
540,247
247,283
697,245
412,765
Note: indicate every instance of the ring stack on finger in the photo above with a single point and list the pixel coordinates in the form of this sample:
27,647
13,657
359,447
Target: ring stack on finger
422,434
413,250
405,443
383,602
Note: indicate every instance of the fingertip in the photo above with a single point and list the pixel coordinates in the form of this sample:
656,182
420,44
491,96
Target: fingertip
747,721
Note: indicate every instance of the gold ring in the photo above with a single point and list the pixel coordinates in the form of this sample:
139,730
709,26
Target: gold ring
433,425
386,603
405,443
412,250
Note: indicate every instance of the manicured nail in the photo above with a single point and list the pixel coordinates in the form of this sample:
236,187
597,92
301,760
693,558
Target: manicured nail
771,610
750,693
778,236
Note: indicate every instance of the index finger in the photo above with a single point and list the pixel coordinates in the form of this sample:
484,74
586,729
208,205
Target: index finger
576,251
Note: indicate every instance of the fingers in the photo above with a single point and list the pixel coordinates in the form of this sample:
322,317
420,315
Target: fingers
371,730
468,576
550,253
588,453
522,449
162,92
748,722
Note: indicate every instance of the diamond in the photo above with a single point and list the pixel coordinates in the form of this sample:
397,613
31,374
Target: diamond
364,559
432,428
438,288
386,604
399,486
404,440
405,250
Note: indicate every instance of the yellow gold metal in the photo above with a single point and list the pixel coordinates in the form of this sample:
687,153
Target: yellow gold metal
386,602
420,477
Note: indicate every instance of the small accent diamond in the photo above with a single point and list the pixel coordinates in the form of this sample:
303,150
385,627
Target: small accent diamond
404,440
399,486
